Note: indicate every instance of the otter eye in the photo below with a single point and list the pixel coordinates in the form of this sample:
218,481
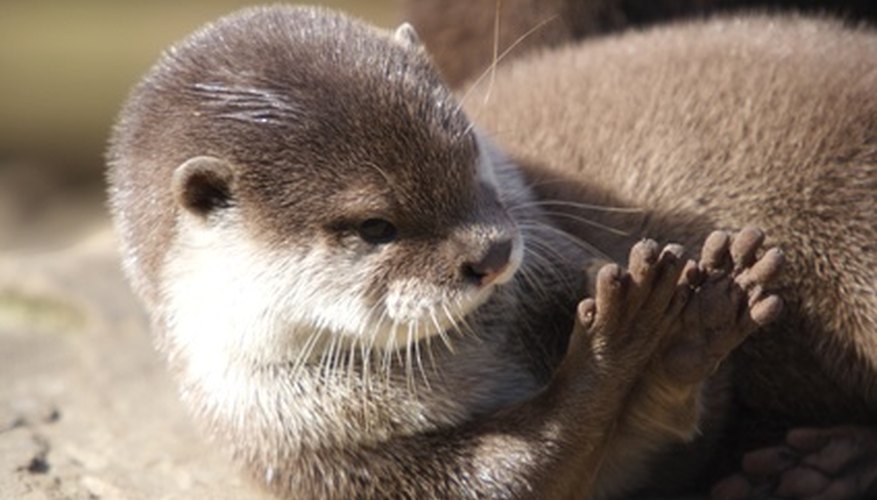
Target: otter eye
377,231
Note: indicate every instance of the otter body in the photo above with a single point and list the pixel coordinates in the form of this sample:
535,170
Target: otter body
361,296
462,35
704,125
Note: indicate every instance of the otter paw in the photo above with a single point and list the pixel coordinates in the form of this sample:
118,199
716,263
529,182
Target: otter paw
632,310
728,303
827,464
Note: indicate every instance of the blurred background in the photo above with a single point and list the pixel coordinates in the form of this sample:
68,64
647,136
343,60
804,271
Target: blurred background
65,68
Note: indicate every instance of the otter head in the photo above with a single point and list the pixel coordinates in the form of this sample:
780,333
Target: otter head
325,187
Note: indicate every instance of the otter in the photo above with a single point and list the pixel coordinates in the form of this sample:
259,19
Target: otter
361,297
699,125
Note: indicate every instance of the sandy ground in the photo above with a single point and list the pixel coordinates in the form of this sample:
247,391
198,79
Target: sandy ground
87,409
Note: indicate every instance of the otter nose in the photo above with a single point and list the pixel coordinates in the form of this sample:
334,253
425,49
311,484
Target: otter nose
491,265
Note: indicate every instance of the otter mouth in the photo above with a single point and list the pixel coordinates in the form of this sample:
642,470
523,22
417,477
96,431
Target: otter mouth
415,310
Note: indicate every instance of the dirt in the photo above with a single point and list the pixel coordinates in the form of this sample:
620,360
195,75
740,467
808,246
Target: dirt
87,409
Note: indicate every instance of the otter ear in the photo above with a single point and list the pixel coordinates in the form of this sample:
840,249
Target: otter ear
407,36
203,184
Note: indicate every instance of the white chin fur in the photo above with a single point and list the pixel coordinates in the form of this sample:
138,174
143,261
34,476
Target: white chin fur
416,309
231,303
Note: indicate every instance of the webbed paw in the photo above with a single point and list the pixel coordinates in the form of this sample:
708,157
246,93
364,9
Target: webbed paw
728,303
633,310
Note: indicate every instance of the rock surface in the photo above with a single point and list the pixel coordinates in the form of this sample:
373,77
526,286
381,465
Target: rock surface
87,409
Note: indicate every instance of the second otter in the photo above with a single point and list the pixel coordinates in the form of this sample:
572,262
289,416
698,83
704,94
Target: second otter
752,119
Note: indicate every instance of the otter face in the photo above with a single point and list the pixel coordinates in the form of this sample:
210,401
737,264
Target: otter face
291,180
379,257
324,186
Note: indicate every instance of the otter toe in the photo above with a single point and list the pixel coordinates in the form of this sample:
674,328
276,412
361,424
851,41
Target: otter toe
715,255
765,463
612,283
585,314
670,267
801,482
763,312
744,246
643,267
834,450
763,271
689,279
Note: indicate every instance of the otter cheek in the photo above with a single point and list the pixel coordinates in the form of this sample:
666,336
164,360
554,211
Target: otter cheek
412,300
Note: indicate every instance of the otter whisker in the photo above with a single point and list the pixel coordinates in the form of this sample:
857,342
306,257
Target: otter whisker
502,56
364,354
491,69
494,62
409,361
368,329
351,359
356,345
549,256
419,359
389,351
572,204
526,273
443,334
400,354
549,277
541,251
326,355
373,339
464,322
585,220
456,323
584,245
455,328
306,352
338,355
436,368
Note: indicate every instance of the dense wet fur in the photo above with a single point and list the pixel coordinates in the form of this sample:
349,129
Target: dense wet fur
762,120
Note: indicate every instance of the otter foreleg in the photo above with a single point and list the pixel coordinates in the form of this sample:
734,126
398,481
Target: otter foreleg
722,300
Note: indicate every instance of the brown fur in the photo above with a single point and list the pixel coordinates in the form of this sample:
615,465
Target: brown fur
280,129
460,33
762,120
